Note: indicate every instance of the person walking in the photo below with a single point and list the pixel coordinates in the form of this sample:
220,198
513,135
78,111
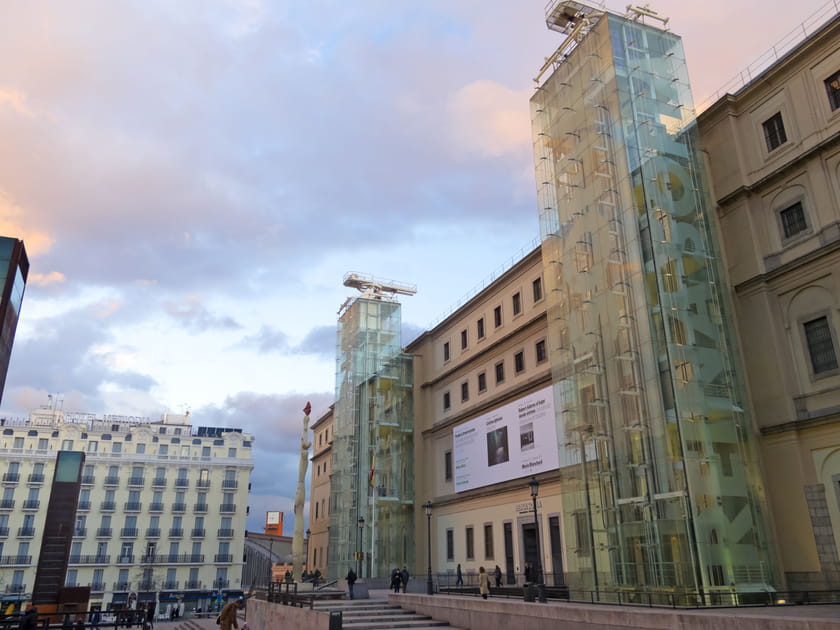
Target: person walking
351,580
29,620
498,575
404,579
483,582
527,573
459,578
395,580
227,618
95,619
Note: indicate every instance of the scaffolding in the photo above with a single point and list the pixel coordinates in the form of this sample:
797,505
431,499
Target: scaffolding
372,489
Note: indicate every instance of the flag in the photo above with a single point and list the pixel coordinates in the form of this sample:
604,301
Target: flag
372,468
308,408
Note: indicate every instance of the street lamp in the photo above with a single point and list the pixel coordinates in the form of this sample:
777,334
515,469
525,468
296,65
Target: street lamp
308,567
359,539
534,485
430,589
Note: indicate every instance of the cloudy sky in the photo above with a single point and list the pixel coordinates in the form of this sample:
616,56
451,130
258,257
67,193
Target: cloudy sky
193,178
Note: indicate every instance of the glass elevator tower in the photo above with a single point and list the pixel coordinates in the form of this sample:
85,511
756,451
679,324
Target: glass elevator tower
662,497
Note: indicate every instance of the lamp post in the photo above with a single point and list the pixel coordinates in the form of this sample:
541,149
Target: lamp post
359,539
307,566
534,485
430,588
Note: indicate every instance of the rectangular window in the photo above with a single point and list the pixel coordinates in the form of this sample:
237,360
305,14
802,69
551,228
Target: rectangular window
447,403
140,449
470,546
18,443
581,532
465,392
517,303
540,351
518,362
774,131
93,446
488,541
479,328
67,445
793,220
500,372
463,340
43,444
832,86
536,285
497,316
446,351
820,345
231,452
447,465
450,544
482,382
116,447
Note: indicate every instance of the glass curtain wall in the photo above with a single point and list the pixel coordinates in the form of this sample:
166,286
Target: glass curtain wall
661,489
372,445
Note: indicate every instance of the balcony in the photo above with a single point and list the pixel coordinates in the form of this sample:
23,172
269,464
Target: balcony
84,506
171,584
36,478
7,504
128,532
15,588
26,532
97,587
179,507
155,507
112,481
224,533
80,532
87,480
108,506
104,559
122,586
127,559
202,483
227,508
136,481
173,558
192,584
159,482
11,477
147,585
223,557
182,482
230,484
31,504
153,532
197,533
176,532
220,583
19,560
200,508
103,532
133,506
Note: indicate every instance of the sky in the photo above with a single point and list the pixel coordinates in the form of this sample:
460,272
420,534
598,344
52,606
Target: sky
193,179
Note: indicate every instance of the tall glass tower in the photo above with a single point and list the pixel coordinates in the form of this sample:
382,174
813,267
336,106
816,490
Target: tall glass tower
14,265
372,483
662,497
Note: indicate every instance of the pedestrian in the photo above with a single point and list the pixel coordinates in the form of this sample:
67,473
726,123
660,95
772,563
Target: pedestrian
527,573
227,618
498,574
483,582
351,580
317,578
395,580
459,579
80,621
404,579
95,619
29,620
150,615
67,623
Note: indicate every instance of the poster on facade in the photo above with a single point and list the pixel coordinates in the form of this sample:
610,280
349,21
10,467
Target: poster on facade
516,440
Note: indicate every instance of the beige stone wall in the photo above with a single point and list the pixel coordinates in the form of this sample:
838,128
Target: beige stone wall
263,615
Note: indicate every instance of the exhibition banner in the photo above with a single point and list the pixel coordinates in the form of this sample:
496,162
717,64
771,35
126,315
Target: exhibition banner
516,440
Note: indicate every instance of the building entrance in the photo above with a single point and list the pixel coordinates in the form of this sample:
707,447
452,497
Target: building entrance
529,548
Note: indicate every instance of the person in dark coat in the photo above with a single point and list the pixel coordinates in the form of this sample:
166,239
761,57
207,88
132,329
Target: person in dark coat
29,621
459,578
497,573
351,580
404,579
395,580
527,572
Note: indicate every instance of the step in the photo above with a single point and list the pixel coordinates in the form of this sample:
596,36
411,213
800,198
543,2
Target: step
417,623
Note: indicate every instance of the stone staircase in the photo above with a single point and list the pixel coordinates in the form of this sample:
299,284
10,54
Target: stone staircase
378,614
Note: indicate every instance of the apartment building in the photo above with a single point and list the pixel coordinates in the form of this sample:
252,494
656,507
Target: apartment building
478,377
161,510
774,158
